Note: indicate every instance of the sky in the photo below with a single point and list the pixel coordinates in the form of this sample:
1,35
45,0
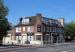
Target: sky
49,8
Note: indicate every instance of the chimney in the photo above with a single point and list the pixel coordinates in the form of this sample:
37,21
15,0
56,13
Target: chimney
21,20
38,14
38,18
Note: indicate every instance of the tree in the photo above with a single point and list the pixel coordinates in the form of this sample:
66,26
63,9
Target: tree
70,30
4,24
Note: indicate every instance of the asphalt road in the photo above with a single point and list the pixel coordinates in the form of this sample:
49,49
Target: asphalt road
68,48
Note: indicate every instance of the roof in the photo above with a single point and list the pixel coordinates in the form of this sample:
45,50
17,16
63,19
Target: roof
32,21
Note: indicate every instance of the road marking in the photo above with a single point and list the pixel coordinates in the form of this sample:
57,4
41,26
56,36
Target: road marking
70,50
64,51
67,51
5,49
61,49
13,51
10,49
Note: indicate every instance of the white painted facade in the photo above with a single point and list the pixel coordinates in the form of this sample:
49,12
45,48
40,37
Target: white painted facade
21,39
7,39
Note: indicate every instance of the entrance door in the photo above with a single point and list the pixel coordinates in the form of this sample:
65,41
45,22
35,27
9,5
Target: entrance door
30,36
18,39
53,38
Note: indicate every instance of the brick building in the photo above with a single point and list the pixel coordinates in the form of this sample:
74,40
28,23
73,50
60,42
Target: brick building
37,30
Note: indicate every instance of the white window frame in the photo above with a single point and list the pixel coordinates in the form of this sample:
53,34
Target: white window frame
18,29
23,28
28,29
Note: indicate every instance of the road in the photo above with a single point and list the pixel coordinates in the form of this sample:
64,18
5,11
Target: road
67,48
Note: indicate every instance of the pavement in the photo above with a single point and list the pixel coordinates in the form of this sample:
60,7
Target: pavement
68,48
44,48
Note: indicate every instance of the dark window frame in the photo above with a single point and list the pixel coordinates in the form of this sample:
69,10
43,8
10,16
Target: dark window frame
38,28
38,37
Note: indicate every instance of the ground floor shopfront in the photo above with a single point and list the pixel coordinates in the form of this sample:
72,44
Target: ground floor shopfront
31,38
51,38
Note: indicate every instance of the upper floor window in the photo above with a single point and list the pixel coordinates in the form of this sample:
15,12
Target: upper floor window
28,29
25,21
47,29
44,28
53,29
50,29
38,28
18,29
62,30
45,20
23,28
49,21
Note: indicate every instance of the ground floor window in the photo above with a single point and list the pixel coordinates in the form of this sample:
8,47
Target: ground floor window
18,39
46,38
38,37
30,38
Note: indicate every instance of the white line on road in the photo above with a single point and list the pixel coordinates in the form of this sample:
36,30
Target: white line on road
64,51
67,51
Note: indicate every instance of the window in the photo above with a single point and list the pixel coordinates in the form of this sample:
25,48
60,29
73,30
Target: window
18,29
30,36
56,23
23,28
44,28
38,28
62,30
50,21
28,29
45,20
18,39
12,37
38,37
53,29
47,29
59,30
25,21
50,29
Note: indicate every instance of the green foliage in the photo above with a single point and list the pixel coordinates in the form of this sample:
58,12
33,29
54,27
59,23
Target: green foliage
3,9
4,24
70,29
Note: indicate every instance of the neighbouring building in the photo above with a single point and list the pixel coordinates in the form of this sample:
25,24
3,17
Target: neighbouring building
36,30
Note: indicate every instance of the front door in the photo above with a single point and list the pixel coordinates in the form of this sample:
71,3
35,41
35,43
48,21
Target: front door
30,36
54,38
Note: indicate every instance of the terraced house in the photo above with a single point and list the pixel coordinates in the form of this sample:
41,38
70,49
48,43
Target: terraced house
37,30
